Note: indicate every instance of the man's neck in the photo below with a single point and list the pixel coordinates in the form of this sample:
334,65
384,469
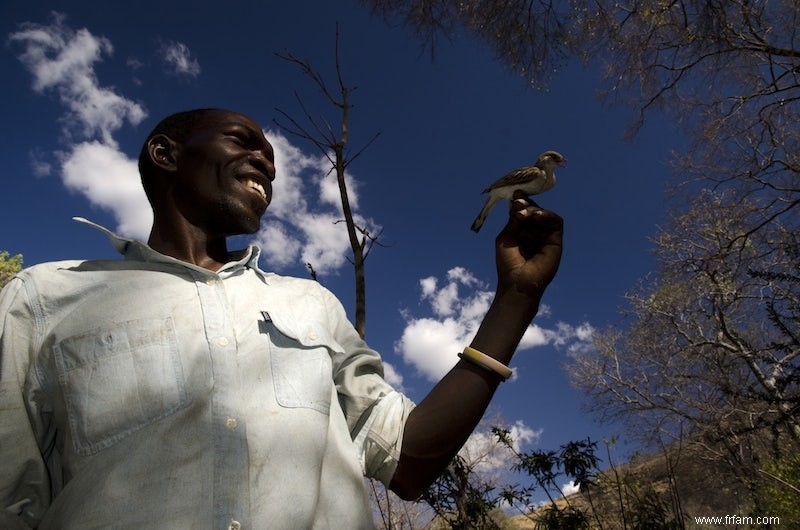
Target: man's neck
189,244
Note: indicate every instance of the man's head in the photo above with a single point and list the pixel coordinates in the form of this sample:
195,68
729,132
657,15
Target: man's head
212,167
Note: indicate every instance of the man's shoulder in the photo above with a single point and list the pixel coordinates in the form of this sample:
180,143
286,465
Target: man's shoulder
73,270
39,278
279,279
48,268
295,284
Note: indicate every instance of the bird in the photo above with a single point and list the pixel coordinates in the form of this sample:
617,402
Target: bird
532,180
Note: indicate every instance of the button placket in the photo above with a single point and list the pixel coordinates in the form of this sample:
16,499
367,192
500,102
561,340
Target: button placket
230,490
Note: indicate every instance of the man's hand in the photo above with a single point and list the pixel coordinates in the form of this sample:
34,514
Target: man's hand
528,250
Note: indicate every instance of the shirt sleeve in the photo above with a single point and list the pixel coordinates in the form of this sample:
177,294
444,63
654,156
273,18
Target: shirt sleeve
376,414
24,480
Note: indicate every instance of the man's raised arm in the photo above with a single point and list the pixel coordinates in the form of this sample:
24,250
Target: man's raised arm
528,252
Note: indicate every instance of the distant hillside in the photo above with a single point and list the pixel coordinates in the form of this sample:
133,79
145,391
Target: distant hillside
698,488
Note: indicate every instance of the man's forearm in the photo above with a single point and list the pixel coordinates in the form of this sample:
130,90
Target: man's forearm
442,422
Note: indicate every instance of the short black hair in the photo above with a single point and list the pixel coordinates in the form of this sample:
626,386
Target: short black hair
177,127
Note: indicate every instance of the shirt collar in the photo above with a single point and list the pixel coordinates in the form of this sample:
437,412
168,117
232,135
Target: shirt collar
136,250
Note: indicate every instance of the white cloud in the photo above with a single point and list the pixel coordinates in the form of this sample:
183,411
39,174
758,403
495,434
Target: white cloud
431,343
290,163
444,301
534,336
325,242
578,339
278,247
329,189
134,64
432,346
40,166
110,180
428,286
392,376
62,59
584,332
179,60
570,488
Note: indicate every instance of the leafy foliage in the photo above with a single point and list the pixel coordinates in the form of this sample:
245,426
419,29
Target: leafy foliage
9,266
461,499
782,490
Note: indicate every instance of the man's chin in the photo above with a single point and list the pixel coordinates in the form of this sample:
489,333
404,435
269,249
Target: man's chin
252,230
248,226
243,226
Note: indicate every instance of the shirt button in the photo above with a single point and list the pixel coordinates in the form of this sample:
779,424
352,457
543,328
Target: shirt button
222,341
234,525
231,423
211,281
312,336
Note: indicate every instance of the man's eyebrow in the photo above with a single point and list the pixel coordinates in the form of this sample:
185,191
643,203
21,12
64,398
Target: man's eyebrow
253,133
239,127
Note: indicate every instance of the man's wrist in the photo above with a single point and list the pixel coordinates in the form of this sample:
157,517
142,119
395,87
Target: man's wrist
516,302
504,324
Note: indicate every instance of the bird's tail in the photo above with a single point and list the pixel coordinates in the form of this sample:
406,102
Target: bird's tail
478,222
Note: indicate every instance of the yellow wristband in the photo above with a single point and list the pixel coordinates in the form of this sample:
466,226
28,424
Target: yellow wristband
484,361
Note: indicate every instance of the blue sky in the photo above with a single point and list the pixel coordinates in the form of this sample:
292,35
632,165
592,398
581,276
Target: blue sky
84,82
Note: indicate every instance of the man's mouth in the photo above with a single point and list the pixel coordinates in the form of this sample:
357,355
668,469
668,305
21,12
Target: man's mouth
255,186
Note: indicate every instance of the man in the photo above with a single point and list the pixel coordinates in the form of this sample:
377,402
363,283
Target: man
182,387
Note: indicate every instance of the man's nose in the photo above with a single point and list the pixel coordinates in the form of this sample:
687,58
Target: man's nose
260,161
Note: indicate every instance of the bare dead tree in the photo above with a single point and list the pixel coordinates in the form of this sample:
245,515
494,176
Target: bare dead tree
333,143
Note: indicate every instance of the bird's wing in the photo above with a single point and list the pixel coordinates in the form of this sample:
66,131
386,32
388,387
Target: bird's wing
519,176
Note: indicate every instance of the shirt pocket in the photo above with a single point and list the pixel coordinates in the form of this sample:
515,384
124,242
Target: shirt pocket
119,379
302,372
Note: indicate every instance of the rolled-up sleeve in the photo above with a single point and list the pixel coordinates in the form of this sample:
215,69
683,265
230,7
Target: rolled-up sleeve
24,479
376,413
382,436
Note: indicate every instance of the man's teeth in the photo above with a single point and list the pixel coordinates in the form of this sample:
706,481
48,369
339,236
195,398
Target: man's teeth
250,183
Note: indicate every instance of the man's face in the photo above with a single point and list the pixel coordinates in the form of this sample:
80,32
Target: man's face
224,173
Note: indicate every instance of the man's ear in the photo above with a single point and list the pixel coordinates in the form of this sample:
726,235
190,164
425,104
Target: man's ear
162,151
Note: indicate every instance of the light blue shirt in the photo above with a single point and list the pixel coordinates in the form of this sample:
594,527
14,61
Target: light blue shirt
148,392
